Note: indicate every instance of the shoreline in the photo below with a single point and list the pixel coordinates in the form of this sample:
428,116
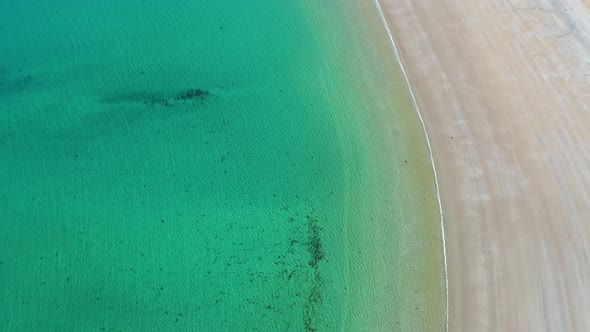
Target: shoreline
505,93
398,109
437,188
394,264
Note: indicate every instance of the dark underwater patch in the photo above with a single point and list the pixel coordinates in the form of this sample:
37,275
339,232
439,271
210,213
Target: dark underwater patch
15,82
316,255
157,98
192,94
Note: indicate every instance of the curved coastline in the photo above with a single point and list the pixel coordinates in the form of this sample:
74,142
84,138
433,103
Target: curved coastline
395,129
417,108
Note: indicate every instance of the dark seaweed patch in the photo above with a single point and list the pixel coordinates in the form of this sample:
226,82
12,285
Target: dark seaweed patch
156,99
316,253
192,94
313,300
314,244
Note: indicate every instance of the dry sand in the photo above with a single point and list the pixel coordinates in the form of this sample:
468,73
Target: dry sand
504,89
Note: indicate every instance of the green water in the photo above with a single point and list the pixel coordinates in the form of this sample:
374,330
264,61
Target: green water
210,166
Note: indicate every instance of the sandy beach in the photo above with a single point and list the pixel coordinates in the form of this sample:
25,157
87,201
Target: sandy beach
504,90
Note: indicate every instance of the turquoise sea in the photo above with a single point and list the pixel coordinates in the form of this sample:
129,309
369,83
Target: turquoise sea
197,165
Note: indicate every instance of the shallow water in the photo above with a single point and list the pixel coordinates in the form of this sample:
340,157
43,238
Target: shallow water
207,166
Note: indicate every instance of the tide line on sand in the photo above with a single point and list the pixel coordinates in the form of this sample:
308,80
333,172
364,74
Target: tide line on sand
415,103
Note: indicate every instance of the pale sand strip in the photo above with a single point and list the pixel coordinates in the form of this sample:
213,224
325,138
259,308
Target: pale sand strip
504,90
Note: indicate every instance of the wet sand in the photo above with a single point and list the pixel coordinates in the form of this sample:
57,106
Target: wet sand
504,90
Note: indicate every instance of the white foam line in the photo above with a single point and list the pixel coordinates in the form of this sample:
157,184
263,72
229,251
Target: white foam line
442,225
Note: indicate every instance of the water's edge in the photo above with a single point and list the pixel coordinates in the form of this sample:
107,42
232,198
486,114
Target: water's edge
440,210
